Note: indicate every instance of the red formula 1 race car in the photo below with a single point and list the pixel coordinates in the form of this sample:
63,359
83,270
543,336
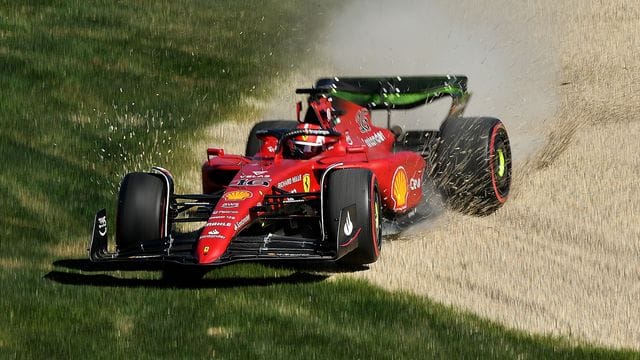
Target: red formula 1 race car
318,188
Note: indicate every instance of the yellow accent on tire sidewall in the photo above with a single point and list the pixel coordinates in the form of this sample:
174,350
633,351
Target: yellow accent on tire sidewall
501,163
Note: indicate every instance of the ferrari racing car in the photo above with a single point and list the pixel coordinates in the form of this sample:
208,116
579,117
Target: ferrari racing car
320,187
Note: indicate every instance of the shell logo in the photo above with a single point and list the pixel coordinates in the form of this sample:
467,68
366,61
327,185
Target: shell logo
237,195
399,188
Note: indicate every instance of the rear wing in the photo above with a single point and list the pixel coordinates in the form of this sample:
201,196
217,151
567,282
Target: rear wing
388,93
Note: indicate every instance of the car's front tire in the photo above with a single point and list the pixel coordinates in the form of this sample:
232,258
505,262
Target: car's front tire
352,213
141,216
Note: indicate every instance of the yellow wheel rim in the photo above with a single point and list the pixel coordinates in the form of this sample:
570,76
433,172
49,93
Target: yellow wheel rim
501,163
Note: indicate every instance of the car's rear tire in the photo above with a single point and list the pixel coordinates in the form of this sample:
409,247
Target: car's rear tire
352,196
254,144
473,164
142,203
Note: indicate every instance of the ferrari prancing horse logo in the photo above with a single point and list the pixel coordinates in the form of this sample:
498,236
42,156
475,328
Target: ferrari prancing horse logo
306,182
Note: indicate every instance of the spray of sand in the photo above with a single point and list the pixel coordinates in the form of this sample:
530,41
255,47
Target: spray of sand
511,69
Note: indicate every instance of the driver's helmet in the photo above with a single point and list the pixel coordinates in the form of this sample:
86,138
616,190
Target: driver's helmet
306,146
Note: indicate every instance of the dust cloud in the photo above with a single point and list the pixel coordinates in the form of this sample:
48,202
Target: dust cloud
511,67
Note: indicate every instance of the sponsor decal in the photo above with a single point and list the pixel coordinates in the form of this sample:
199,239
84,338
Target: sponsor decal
219,217
222,224
289,181
348,225
102,226
241,223
212,237
224,212
362,118
213,232
399,189
238,195
251,182
230,205
414,184
205,251
375,139
306,182
255,175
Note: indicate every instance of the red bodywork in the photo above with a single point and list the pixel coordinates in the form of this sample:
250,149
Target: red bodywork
246,181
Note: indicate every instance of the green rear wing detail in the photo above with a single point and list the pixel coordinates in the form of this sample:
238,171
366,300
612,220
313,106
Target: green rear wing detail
377,93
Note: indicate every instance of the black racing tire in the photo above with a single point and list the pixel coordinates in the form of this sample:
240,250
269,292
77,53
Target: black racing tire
254,144
142,203
354,189
473,164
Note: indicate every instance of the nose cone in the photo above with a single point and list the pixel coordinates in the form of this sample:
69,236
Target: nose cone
214,239
229,217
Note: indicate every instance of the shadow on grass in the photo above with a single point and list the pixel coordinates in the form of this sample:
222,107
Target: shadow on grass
87,265
102,280
328,267
172,276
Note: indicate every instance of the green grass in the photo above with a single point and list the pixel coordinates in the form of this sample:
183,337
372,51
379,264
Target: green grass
250,311
92,89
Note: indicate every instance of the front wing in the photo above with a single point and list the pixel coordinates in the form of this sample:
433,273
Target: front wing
180,247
